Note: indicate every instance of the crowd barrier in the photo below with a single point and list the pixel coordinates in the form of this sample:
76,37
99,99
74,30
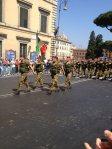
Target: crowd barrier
6,70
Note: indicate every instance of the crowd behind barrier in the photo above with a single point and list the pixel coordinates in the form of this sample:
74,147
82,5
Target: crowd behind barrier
88,68
11,67
8,67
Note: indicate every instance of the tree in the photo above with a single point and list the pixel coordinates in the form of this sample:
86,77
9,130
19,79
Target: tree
94,49
107,45
98,51
91,46
104,20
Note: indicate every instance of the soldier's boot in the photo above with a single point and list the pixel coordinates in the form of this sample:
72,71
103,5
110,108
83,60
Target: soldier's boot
51,89
57,88
16,91
28,87
69,85
33,87
41,83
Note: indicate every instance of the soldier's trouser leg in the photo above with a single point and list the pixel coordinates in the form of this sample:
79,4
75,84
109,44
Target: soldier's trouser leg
110,73
97,74
105,74
54,82
101,73
90,73
86,72
39,78
78,71
68,80
81,72
23,80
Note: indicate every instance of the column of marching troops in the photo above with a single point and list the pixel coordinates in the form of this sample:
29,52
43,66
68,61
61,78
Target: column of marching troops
95,69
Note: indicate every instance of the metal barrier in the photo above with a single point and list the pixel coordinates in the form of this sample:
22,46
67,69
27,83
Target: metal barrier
6,70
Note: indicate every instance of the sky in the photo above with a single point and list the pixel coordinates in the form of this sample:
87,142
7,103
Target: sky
77,21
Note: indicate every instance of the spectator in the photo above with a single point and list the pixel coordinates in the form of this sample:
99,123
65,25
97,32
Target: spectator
47,66
102,144
16,65
12,66
1,66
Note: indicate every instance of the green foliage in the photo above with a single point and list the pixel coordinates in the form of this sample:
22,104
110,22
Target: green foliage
98,51
91,46
104,20
94,49
107,45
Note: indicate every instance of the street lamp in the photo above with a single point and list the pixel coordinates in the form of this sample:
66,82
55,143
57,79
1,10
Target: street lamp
61,2
56,48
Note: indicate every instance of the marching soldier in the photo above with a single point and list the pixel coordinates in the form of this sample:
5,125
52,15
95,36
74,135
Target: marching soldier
54,70
68,69
110,69
90,68
77,66
24,68
83,68
38,69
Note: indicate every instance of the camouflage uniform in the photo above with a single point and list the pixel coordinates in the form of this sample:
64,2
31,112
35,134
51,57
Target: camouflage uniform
54,70
39,72
106,70
68,68
83,69
90,69
77,66
110,69
24,70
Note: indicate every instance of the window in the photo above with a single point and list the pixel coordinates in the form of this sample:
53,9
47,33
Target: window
0,10
23,17
0,49
43,27
23,50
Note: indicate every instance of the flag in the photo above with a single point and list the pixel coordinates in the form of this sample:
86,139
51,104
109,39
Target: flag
38,45
43,48
37,48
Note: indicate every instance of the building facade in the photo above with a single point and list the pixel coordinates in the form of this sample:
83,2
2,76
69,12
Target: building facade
21,22
63,47
79,54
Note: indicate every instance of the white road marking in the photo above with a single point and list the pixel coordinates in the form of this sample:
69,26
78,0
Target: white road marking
38,90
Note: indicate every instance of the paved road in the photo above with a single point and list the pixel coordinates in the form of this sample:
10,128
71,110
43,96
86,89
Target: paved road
62,120
7,84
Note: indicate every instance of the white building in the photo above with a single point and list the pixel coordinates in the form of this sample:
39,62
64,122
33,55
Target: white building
63,47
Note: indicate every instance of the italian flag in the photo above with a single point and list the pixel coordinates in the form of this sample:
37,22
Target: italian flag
38,45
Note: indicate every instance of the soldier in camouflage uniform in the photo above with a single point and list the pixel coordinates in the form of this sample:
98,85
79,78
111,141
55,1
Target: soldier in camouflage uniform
90,68
54,70
101,69
110,69
68,69
105,70
83,68
38,69
77,66
24,68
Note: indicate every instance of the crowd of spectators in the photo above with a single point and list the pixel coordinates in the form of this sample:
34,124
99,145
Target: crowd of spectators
8,67
11,67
